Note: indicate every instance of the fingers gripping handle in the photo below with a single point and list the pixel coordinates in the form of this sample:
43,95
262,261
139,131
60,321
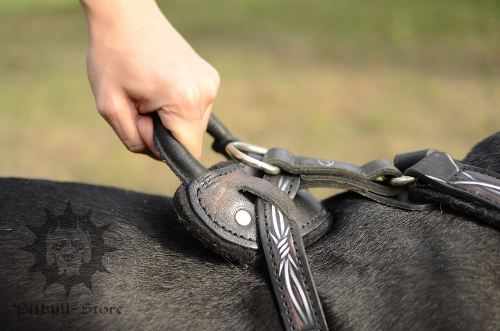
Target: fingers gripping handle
182,163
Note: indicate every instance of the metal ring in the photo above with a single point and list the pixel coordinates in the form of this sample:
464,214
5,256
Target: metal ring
235,149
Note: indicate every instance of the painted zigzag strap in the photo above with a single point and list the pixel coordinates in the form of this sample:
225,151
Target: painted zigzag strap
466,182
287,264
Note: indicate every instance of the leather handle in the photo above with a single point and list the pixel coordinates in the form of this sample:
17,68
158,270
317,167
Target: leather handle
222,136
176,156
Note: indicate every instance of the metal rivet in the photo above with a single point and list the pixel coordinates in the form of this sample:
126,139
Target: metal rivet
401,181
243,217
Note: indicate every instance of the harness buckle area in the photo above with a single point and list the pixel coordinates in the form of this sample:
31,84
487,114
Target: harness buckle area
239,150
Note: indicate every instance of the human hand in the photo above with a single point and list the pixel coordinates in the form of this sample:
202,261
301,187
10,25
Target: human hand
137,64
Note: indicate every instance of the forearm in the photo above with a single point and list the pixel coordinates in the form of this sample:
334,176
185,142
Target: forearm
112,8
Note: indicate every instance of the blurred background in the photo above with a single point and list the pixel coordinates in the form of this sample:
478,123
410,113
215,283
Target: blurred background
349,80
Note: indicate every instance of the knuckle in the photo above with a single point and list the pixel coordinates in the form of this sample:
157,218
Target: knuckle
108,107
215,78
133,147
102,109
210,88
190,95
213,81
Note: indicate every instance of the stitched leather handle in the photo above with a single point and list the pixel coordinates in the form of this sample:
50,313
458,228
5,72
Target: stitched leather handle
176,156
222,136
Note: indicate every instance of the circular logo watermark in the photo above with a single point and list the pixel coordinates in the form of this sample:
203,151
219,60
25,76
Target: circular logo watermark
68,249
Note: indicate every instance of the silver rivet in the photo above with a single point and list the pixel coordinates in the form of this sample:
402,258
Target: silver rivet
243,217
401,181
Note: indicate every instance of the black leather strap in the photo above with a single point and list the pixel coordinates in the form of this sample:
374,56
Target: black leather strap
441,172
360,179
182,163
329,173
222,136
286,260
405,160
301,165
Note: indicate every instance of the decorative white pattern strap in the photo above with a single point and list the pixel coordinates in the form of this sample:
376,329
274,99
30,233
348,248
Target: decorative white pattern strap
283,249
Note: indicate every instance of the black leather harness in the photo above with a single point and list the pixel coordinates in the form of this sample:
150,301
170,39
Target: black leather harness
260,207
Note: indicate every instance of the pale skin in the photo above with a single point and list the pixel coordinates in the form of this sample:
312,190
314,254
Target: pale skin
138,64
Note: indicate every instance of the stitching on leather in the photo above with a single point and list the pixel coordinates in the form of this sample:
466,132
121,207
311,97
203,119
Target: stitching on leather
275,267
291,186
205,183
313,219
299,259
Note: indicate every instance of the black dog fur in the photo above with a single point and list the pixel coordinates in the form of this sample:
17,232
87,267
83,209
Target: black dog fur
378,268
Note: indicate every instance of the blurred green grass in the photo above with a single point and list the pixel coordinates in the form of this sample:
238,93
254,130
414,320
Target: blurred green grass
349,80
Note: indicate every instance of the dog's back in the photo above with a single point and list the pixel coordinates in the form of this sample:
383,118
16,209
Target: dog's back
378,268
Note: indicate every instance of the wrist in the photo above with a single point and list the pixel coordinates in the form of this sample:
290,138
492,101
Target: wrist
116,13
